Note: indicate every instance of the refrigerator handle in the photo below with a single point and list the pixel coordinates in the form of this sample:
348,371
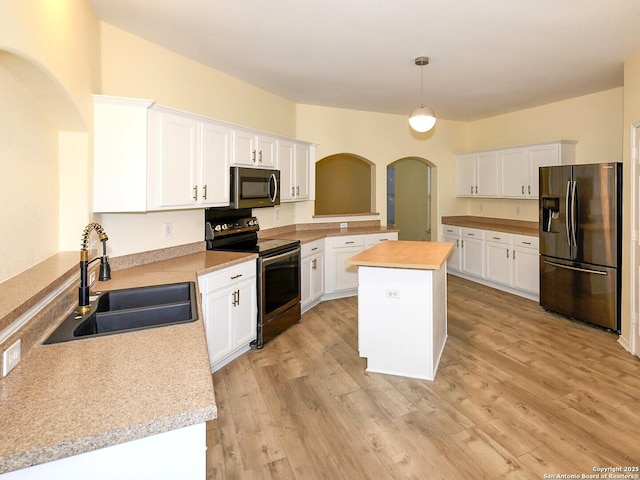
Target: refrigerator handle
567,210
574,219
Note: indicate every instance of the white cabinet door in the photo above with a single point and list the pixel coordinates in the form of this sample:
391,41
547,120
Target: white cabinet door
340,276
498,266
514,180
346,276
267,151
472,242
294,163
218,311
317,276
214,165
312,273
302,171
488,174
466,175
541,156
173,168
245,316
453,262
253,150
526,260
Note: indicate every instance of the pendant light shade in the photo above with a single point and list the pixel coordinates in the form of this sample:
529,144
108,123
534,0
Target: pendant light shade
422,119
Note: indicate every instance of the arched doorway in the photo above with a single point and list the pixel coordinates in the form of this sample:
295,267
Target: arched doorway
410,198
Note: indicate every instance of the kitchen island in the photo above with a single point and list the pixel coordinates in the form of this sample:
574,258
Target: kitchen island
402,306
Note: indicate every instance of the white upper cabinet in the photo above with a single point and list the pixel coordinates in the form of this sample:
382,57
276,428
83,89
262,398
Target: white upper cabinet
478,174
253,150
294,162
509,172
149,157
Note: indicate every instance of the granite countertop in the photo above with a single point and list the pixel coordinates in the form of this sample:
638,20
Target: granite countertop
404,254
74,397
519,227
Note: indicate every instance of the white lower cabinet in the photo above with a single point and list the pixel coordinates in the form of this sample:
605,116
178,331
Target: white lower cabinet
451,234
505,261
472,251
229,305
312,273
341,280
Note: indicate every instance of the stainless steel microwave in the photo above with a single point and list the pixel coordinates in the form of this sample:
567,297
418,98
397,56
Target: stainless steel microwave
254,187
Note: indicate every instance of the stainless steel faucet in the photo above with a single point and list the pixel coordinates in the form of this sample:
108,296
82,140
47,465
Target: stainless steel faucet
105,268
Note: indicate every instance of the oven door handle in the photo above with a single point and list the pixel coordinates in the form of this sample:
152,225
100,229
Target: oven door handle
276,258
273,181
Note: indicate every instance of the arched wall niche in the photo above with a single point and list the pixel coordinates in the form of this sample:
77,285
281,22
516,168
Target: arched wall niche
39,128
345,185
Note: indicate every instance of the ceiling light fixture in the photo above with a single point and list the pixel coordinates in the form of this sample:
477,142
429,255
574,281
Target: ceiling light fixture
422,119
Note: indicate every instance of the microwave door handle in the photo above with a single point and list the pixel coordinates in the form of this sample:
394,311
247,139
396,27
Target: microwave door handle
272,178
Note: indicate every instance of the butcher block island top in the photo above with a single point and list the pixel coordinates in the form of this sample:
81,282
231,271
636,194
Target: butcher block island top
404,254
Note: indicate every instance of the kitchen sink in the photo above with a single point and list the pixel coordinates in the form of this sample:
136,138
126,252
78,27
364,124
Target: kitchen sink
130,309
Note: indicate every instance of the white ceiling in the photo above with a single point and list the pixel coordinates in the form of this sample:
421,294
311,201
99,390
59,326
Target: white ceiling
487,57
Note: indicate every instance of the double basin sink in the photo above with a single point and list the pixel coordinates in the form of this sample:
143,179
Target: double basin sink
130,309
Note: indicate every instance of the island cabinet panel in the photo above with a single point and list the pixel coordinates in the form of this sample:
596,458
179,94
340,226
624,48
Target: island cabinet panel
229,306
173,455
402,320
452,234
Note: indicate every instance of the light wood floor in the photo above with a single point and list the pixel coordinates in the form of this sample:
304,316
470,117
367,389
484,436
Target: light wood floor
519,393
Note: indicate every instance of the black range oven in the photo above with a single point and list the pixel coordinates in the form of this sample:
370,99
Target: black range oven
278,267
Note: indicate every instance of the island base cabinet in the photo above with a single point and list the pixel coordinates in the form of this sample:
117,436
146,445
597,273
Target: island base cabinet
174,455
402,320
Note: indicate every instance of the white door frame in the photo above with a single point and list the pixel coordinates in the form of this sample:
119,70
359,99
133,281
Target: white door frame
634,336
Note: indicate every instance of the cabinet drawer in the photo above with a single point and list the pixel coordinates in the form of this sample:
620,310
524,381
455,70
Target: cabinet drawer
376,238
451,230
348,241
526,241
498,237
310,248
472,233
223,278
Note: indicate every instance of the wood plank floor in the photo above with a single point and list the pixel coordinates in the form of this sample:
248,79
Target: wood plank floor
519,393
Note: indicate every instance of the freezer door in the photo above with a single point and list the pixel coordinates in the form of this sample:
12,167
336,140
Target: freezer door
596,213
584,292
554,184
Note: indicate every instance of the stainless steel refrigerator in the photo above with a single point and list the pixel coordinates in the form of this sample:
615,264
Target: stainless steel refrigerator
581,242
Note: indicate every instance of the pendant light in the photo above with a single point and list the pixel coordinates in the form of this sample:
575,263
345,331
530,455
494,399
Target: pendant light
422,119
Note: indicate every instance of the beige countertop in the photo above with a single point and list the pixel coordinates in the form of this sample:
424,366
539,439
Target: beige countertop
519,227
404,254
74,397
306,235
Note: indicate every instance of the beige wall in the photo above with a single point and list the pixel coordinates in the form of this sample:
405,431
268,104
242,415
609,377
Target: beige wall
49,64
382,139
594,121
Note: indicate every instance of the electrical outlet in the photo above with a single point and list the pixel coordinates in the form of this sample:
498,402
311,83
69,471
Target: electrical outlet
11,357
344,225
168,229
481,207
517,210
393,294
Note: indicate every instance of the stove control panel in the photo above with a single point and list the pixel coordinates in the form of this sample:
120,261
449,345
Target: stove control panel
224,228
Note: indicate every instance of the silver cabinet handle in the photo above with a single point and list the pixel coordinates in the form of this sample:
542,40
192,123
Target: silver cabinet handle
204,192
195,192
253,156
236,276
507,253
260,157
